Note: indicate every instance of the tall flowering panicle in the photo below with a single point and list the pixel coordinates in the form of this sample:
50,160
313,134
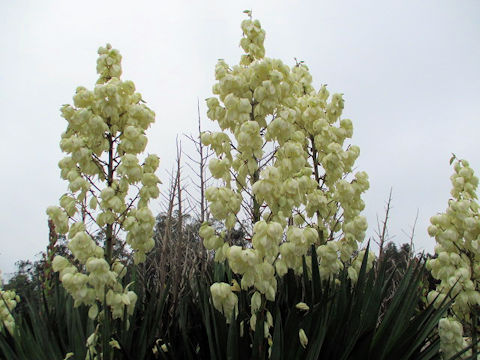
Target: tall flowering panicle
103,141
281,154
457,265
8,301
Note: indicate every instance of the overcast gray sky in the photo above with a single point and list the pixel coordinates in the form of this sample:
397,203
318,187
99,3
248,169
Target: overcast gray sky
409,71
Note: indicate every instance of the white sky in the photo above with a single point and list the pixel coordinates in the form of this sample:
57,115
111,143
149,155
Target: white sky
409,71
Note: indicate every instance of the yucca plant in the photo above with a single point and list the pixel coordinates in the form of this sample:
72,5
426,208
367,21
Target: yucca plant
341,319
344,320
48,330
53,327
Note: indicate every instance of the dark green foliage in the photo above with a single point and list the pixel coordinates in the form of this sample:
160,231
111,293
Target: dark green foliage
345,320
137,340
51,327
371,319
48,329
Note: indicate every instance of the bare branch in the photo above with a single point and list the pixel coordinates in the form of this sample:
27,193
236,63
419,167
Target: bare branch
383,233
411,236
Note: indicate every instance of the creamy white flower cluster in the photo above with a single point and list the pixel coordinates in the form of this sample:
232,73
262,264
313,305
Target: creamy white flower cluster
452,341
8,301
457,265
224,299
99,283
105,135
252,43
281,150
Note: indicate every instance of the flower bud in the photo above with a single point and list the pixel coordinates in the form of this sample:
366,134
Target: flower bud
303,338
